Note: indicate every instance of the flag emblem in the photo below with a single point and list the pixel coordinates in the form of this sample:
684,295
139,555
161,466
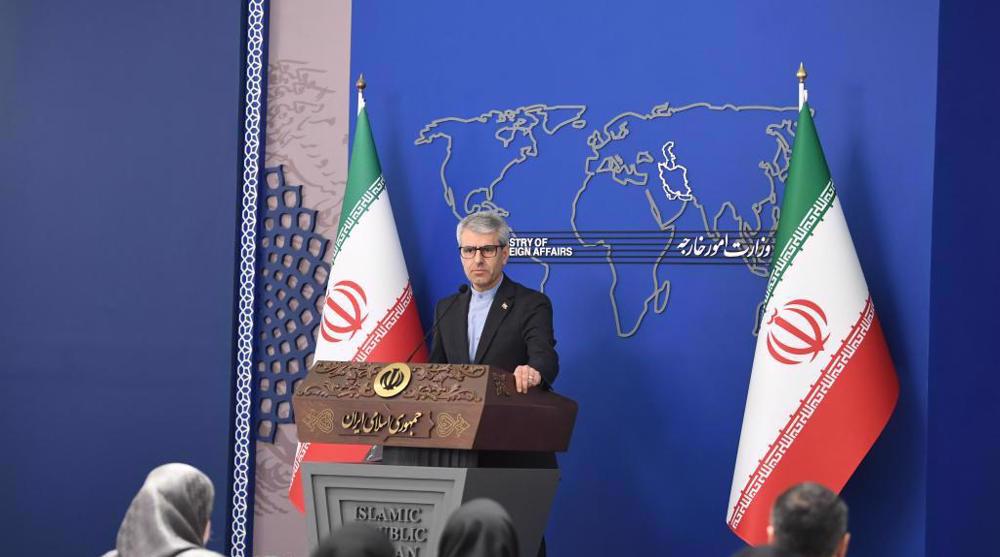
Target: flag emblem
344,313
797,332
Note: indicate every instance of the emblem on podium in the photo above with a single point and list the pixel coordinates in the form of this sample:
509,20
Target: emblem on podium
392,380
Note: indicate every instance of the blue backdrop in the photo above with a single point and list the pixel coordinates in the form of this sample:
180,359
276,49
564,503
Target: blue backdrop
963,454
119,138
118,173
660,411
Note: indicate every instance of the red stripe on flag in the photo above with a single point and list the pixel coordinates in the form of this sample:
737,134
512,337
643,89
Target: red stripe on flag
837,436
323,452
392,340
401,339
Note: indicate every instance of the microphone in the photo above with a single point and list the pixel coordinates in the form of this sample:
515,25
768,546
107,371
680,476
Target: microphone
462,289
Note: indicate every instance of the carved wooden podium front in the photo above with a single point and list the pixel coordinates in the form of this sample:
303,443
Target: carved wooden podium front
433,422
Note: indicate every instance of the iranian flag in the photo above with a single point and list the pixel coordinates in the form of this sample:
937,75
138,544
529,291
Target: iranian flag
823,384
369,313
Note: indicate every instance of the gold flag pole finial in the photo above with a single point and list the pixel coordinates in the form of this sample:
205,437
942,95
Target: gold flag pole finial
361,83
803,94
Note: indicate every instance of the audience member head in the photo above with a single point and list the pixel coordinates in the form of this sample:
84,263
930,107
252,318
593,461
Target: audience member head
479,528
811,521
170,514
355,540
764,551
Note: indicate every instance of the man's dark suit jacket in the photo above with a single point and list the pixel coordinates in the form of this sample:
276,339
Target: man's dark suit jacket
520,334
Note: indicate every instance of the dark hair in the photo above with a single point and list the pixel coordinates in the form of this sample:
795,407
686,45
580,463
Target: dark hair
355,540
479,528
764,551
809,520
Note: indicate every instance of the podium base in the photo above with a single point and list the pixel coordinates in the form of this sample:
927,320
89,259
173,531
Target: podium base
411,504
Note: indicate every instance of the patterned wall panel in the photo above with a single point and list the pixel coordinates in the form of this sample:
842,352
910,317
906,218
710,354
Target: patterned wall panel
291,278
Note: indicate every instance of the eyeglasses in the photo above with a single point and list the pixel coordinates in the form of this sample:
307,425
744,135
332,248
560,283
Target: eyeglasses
468,252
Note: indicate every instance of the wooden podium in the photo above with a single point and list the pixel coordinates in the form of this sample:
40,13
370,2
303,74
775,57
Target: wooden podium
436,423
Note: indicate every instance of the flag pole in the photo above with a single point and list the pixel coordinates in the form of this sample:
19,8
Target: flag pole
361,84
803,93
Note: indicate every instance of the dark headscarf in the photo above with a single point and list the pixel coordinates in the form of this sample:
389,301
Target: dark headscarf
168,516
479,528
355,540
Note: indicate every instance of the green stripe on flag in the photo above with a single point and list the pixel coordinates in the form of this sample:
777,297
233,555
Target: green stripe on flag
363,174
802,232
809,193
349,220
808,175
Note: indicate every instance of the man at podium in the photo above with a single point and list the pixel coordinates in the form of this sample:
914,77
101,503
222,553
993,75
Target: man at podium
497,322
515,423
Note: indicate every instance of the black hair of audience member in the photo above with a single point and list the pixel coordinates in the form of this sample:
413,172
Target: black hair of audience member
810,520
355,540
479,528
764,551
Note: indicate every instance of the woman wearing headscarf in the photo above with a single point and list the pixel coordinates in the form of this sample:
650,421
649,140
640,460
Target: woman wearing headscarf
355,540
169,516
479,528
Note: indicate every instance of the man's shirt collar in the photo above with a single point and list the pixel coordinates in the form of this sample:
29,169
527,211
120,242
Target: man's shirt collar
488,294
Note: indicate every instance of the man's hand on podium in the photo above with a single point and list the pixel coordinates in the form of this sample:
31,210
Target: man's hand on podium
526,377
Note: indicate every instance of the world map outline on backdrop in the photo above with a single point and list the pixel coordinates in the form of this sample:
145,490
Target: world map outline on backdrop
674,189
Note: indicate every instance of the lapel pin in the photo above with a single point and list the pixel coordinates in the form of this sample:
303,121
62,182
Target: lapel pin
504,306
